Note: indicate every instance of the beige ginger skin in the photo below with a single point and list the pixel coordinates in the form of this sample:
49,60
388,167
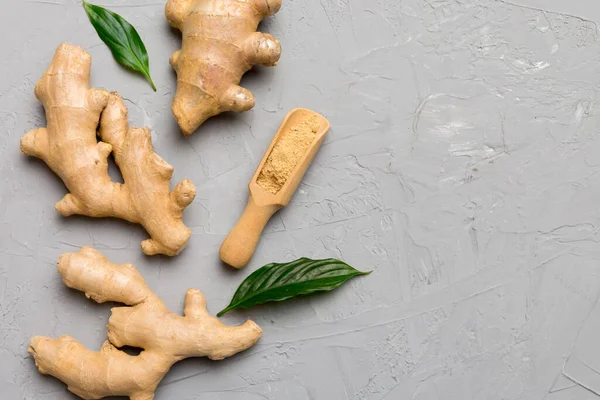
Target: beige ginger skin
165,337
220,44
69,146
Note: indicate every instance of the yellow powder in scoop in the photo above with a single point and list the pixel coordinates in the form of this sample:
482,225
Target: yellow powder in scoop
287,153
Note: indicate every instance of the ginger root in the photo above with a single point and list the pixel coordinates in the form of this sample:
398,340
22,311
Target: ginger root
220,44
69,146
165,337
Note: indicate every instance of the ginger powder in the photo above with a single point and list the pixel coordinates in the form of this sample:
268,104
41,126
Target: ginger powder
291,146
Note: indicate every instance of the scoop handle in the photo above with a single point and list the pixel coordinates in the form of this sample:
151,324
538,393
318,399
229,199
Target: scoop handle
239,246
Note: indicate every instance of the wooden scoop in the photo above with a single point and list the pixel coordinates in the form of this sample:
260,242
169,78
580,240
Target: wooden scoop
240,244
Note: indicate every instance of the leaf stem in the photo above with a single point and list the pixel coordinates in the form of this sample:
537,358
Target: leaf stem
224,311
150,80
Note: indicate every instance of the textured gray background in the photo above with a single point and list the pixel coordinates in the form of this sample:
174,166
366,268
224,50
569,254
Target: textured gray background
463,167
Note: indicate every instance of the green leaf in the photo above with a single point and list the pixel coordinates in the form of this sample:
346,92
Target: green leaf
278,282
121,38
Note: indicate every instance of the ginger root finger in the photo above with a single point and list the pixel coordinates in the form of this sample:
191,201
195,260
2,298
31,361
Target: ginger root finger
219,45
165,337
35,143
262,49
90,272
70,147
237,99
95,375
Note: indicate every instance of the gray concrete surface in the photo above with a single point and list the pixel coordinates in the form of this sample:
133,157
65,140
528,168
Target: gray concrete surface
463,167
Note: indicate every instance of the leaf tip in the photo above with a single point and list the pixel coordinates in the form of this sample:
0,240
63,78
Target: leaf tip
221,313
